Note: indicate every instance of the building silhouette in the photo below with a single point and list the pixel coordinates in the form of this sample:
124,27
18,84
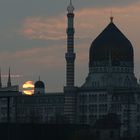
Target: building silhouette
110,87
9,86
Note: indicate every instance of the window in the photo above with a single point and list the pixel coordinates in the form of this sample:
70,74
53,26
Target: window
127,82
83,99
3,110
103,108
95,84
93,108
116,107
92,98
3,101
102,98
115,98
83,108
101,116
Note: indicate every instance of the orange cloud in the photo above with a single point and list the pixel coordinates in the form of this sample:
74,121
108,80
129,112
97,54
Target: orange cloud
87,22
44,29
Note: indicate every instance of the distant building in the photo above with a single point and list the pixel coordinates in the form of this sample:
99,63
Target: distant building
9,86
39,108
39,87
110,87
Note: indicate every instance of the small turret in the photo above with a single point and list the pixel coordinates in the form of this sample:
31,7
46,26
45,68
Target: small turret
39,87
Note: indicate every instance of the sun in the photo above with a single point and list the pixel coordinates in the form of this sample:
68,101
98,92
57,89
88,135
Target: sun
28,88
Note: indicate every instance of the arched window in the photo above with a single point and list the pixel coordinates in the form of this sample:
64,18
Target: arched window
127,82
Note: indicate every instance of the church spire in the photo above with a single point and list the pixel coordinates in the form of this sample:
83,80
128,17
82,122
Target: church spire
9,79
0,79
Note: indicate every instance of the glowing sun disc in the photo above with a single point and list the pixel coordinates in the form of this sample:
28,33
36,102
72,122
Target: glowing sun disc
28,88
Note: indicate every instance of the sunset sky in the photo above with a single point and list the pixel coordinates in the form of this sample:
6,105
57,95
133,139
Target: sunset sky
33,36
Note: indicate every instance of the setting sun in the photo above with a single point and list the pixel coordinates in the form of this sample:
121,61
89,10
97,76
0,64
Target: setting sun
28,88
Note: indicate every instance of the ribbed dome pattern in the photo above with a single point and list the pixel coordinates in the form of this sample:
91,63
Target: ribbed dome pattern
111,43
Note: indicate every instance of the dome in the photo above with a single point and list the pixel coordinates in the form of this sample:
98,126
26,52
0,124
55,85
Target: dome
111,43
39,84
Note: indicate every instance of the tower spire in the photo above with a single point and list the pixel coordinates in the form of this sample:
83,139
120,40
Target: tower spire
0,79
9,79
70,55
70,8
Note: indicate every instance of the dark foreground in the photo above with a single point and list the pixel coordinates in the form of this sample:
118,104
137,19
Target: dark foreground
47,132
39,131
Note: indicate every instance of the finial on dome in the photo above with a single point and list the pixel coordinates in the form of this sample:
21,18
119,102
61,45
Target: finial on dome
111,17
70,7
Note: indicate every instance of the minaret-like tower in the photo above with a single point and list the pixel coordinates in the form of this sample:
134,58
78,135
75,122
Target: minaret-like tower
70,89
70,55
9,79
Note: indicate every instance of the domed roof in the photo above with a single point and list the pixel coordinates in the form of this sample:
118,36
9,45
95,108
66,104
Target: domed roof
111,43
39,84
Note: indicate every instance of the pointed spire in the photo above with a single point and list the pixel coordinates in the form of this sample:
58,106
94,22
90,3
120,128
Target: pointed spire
70,7
9,79
0,79
39,78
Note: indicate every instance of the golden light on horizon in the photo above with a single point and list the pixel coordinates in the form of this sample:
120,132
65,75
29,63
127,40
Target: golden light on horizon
28,88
